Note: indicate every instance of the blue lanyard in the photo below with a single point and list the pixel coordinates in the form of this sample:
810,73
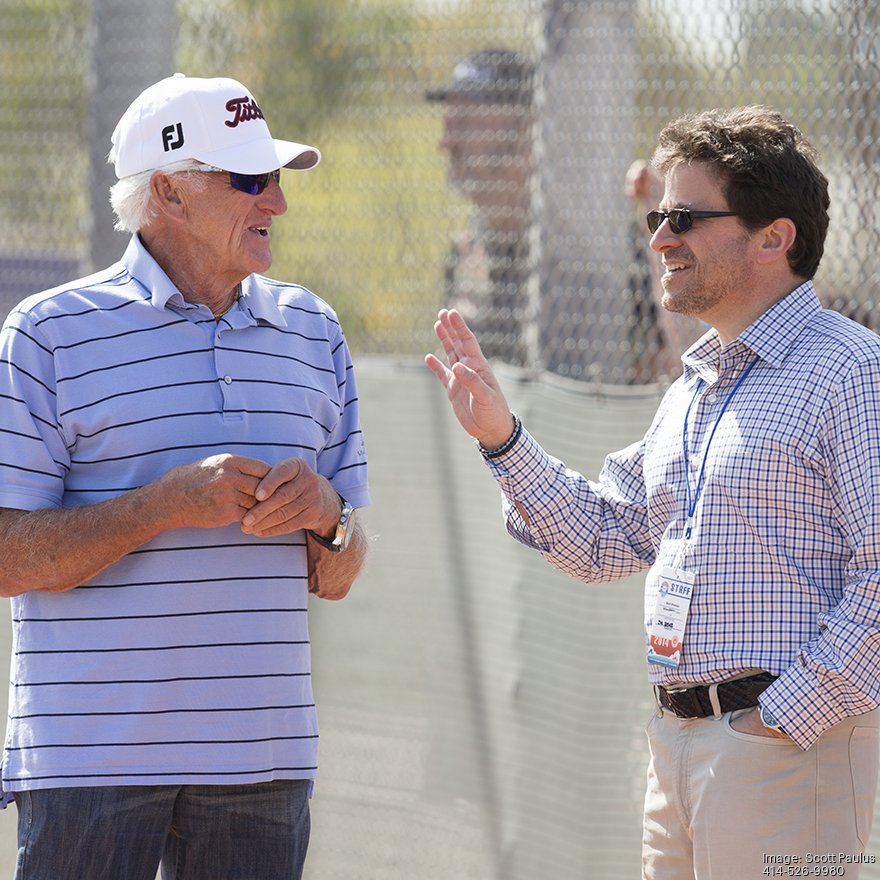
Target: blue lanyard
692,501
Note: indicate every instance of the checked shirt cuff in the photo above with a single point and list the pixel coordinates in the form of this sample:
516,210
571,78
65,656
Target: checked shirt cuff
795,699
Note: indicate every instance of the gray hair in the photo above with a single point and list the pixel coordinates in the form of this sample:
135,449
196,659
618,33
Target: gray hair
130,196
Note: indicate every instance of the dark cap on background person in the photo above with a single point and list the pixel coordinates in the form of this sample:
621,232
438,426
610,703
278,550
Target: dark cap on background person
492,76
216,121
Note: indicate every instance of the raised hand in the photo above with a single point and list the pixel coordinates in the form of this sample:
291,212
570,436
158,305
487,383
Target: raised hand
471,385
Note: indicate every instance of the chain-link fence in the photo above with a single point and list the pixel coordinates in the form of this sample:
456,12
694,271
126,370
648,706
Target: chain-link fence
522,219
481,154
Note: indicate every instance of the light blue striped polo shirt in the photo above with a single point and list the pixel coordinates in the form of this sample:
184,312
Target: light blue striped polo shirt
188,660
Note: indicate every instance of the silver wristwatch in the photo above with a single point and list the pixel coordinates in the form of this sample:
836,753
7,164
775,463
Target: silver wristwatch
344,530
768,719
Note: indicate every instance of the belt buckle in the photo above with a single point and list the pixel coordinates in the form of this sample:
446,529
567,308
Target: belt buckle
670,692
674,692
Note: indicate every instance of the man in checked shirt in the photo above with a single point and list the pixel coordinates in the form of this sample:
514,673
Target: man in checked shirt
753,502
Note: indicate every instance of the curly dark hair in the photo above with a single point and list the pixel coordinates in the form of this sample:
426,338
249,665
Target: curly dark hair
767,170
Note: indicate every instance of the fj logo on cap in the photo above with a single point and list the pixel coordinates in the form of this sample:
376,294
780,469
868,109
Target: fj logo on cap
244,109
172,137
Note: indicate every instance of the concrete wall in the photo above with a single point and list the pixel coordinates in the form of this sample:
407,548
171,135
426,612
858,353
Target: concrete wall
481,714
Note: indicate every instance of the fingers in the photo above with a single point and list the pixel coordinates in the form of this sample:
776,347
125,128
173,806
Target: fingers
252,467
442,331
242,474
239,470
291,497
213,491
471,385
438,369
245,501
459,346
456,337
285,472
470,379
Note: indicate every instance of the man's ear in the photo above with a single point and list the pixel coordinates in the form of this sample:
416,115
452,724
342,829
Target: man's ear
776,239
167,196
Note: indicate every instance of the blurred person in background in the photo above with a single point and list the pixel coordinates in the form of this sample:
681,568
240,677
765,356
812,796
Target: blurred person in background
660,335
487,143
182,458
752,501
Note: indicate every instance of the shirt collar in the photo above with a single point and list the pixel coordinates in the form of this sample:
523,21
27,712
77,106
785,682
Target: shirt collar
770,337
773,335
256,299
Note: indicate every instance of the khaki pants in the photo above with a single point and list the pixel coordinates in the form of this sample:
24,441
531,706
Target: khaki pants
723,805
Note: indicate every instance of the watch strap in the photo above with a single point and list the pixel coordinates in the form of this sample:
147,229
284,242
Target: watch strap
507,445
341,539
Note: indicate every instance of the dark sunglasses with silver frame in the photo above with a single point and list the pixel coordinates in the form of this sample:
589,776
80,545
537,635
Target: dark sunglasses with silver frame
681,219
252,184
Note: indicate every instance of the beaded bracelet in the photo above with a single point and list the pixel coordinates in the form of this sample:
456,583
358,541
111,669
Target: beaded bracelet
508,444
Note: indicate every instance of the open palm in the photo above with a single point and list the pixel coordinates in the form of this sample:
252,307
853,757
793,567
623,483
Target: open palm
471,385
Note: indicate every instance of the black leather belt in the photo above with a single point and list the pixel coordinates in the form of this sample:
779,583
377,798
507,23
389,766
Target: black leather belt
696,702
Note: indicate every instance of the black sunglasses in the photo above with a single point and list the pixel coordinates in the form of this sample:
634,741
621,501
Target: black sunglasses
681,219
252,184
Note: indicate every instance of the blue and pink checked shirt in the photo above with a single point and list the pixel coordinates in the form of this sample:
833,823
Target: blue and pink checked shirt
785,544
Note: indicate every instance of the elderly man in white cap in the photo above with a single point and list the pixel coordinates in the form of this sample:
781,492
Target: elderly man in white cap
181,463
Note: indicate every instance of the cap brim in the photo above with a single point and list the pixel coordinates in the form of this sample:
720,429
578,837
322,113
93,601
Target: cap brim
258,157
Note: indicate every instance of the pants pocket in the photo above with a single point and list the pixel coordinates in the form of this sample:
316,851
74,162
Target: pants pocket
864,760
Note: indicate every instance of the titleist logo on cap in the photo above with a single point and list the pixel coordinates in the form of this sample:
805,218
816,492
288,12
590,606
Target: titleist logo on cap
244,109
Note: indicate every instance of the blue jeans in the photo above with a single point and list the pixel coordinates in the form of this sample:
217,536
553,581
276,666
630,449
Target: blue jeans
196,832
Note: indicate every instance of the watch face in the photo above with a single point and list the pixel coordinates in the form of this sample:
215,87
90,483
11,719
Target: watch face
768,719
345,527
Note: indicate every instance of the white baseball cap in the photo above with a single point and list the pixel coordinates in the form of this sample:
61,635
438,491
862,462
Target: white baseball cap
216,121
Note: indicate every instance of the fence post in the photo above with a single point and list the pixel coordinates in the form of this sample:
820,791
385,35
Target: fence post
131,47
589,76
